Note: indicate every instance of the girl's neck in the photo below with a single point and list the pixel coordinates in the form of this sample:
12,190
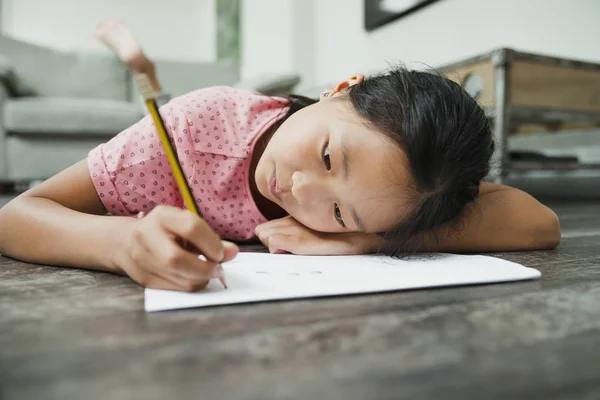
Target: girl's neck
267,208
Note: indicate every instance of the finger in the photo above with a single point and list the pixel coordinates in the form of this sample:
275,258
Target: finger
230,250
295,245
176,281
158,282
190,227
264,239
290,227
270,225
309,245
148,268
169,258
189,266
287,243
260,229
291,232
149,280
273,224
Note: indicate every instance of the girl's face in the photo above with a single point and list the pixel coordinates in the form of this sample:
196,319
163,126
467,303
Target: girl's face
330,171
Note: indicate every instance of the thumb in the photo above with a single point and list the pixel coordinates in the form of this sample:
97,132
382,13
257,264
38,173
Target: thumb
230,250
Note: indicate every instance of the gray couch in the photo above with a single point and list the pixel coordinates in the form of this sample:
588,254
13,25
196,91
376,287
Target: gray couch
56,106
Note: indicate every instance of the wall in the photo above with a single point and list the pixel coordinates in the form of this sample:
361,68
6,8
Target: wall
182,30
2,12
450,30
265,37
278,36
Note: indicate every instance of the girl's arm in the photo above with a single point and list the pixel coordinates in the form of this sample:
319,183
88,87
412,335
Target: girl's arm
60,222
63,222
501,218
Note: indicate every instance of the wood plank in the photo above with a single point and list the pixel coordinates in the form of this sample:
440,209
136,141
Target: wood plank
486,71
479,340
549,86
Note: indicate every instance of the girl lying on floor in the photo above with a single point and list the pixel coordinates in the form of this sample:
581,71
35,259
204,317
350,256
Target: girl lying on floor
392,163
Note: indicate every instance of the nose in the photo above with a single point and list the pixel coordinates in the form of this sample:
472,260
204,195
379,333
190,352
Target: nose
307,189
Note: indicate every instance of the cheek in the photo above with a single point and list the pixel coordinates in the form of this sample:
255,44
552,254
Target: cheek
295,143
293,156
314,219
382,218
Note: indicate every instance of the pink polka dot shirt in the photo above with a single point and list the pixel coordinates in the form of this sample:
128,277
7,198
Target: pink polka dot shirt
214,132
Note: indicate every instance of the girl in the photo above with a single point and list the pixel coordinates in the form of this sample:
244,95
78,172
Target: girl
391,163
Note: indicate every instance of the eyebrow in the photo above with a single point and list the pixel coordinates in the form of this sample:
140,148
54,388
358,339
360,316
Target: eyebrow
345,166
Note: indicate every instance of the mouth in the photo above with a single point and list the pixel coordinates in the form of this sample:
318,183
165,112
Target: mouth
273,187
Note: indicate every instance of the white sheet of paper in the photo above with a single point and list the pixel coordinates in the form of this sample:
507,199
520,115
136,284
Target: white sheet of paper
255,277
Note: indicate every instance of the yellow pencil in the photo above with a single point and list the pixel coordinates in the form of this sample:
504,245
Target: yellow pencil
149,96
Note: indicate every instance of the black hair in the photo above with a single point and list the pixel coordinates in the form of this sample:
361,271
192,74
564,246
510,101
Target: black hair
447,140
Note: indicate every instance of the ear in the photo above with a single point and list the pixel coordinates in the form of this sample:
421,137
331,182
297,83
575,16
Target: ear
341,87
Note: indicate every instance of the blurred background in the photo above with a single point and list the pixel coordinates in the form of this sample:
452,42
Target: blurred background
283,46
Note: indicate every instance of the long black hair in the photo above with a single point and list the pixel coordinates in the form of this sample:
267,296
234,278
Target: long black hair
447,140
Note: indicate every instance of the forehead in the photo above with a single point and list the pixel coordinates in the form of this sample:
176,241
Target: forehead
378,173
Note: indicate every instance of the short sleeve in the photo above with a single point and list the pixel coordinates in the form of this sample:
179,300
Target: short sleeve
131,172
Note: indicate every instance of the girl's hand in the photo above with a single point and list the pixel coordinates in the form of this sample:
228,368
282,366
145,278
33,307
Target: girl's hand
154,257
286,235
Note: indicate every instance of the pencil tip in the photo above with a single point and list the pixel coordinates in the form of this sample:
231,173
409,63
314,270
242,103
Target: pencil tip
223,282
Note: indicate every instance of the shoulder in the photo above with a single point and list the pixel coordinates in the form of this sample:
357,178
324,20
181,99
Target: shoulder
224,120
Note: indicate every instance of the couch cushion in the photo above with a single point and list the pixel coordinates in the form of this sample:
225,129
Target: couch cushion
66,74
11,80
178,77
57,115
314,92
6,68
272,84
39,157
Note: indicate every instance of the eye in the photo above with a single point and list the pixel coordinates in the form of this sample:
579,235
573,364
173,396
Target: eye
338,215
325,156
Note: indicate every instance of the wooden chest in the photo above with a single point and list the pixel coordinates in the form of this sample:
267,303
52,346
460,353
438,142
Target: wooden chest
522,90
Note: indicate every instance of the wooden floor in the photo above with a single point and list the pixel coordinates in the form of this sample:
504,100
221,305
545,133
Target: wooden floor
72,334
